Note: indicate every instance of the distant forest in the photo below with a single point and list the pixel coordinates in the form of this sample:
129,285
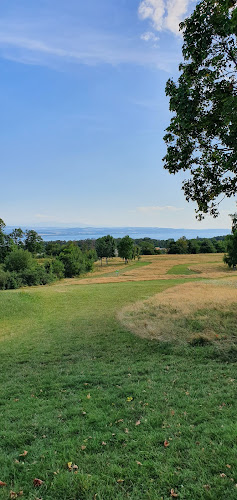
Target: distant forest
151,246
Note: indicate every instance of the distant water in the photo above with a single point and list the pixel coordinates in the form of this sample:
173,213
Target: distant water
79,233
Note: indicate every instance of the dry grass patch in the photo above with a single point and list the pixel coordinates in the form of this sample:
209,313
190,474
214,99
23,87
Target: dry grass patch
193,312
206,265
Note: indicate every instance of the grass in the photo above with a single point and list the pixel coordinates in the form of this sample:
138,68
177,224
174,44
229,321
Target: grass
121,271
72,376
181,269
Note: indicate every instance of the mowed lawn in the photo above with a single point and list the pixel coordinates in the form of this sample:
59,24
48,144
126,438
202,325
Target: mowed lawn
141,419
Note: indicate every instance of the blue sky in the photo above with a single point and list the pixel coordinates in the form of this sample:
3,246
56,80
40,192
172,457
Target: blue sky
84,110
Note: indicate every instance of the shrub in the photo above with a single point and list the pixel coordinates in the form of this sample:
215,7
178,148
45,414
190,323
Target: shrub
58,269
3,279
36,275
18,260
13,281
73,261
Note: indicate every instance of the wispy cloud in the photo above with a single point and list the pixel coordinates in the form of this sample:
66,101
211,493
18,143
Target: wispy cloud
164,14
153,209
24,44
149,36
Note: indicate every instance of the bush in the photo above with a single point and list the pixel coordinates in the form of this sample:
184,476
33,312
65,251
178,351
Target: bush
3,279
58,269
36,275
14,281
73,261
18,260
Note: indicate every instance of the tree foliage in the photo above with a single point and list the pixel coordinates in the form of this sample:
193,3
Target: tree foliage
126,248
201,137
105,247
33,242
231,244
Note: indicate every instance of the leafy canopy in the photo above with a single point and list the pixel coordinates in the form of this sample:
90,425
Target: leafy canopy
126,248
201,137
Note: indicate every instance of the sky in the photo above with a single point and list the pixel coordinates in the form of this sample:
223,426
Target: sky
83,114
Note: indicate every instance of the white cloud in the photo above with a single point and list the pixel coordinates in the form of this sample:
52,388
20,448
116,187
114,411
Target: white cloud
149,36
164,14
154,10
21,44
165,208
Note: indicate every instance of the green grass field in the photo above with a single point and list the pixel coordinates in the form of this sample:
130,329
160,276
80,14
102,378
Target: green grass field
180,269
77,387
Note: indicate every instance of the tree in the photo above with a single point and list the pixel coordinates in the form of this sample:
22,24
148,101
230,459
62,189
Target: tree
207,247
105,247
6,242
193,246
179,246
201,137
33,242
73,260
147,248
231,244
125,248
17,235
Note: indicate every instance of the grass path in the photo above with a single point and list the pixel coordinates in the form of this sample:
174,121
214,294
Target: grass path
77,387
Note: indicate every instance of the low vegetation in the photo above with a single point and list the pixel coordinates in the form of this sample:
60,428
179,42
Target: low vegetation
90,410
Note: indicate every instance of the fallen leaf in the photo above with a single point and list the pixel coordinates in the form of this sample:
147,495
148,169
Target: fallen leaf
88,396
138,422
120,480
23,454
118,421
173,494
166,444
126,431
83,447
2,483
72,466
187,393
138,463
229,466
37,482
172,413
13,494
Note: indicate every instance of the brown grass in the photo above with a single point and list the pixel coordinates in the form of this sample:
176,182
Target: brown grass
207,265
170,315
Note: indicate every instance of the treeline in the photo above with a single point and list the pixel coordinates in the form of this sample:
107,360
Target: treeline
24,260
151,246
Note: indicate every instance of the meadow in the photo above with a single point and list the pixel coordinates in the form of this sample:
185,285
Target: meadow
121,384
